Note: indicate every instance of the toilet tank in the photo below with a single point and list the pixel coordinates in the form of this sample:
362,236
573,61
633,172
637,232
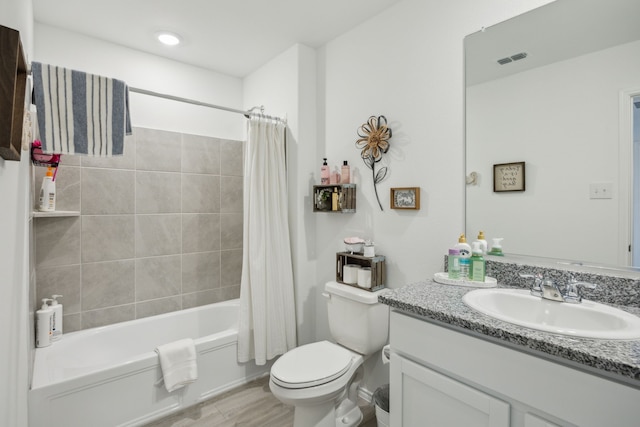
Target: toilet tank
356,319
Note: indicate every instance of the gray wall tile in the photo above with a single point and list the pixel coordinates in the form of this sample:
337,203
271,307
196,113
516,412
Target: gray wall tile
60,280
158,150
231,231
158,277
200,154
230,267
200,271
106,284
198,299
158,306
231,157
231,194
107,238
71,322
107,316
158,192
200,193
200,232
106,191
57,241
158,235
126,161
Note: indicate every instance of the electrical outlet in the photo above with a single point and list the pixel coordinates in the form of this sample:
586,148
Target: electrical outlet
601,190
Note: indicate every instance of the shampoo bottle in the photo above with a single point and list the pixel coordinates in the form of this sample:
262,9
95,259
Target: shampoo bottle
57,318
48,192
345,178
483,242
465,255
44,324
477,272
324,173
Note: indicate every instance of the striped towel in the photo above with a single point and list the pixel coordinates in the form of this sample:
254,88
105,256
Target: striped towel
80,113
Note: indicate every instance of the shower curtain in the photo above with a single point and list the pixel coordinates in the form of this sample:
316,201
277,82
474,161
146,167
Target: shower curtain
267,323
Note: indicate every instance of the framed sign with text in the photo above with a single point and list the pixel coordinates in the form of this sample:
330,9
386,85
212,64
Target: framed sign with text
508,177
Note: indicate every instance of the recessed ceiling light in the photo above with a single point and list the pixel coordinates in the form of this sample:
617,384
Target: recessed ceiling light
167,38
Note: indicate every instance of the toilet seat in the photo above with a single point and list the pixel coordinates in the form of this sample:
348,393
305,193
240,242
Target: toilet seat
311,365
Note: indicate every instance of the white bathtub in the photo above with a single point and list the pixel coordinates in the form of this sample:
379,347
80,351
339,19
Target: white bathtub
108,376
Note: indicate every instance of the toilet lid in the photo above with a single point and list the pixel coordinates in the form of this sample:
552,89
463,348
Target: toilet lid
310,365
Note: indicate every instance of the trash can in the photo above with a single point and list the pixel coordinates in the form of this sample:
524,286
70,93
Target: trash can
381,400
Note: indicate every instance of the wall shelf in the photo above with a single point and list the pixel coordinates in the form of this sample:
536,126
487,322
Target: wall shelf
343,194
376,263
55,214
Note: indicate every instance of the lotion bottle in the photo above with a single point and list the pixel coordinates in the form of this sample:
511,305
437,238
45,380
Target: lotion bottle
324,173
47,200
345,177
44,324
57,318
483,242
477,272
465,254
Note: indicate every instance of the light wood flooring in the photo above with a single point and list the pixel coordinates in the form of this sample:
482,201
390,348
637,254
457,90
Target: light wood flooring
251,405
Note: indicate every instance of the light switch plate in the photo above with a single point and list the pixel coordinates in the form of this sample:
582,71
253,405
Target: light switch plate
601,190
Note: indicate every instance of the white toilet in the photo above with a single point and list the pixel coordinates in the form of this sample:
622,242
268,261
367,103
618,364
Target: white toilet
321,379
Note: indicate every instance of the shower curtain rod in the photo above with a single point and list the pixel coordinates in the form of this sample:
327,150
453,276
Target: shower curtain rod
246,113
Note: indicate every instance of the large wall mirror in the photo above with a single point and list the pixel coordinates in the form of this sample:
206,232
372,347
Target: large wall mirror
559,89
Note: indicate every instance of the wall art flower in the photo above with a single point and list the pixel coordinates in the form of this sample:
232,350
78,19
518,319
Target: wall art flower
373,143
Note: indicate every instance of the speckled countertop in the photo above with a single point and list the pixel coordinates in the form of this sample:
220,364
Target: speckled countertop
618,360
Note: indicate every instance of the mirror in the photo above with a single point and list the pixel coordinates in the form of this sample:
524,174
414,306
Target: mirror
562,102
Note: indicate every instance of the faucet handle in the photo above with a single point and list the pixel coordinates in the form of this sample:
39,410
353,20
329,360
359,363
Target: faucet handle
572,291
538,279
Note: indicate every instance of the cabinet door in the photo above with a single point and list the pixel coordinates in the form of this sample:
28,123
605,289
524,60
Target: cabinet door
421,397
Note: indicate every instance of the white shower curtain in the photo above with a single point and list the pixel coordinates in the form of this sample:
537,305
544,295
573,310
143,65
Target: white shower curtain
267,323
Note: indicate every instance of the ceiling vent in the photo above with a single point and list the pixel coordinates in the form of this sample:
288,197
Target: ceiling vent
516,57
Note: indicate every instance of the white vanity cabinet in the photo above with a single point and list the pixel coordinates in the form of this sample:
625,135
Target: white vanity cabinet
445,378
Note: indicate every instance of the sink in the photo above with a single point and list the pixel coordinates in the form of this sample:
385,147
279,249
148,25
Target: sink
587,320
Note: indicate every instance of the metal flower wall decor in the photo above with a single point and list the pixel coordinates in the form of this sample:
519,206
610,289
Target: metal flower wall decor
374,142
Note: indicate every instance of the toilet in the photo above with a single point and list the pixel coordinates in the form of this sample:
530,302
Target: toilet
321,379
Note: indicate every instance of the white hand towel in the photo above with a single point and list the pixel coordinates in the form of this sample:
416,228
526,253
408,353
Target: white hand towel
178,363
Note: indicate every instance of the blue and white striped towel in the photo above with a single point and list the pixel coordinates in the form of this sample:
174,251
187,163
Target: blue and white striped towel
80,113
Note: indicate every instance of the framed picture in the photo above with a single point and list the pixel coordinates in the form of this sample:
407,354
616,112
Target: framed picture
405,198
508,177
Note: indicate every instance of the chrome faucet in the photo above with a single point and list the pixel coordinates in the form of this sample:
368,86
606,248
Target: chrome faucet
548,289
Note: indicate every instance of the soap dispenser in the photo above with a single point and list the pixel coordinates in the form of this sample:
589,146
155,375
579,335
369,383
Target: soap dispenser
465,253
324,173
496,248
477,268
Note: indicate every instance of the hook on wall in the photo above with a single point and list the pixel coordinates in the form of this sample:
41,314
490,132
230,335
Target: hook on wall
472,178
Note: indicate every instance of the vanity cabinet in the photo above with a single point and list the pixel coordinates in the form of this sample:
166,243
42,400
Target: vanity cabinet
442,376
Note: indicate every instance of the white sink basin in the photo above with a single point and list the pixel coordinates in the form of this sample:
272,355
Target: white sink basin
587,319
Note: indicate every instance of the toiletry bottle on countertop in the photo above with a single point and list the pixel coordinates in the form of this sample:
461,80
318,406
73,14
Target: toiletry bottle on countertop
47,201
345,177
57,318
44,324
496,248
324,173
477,267
465,254
453,268
483,242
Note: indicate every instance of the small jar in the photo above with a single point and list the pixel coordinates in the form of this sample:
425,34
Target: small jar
369,249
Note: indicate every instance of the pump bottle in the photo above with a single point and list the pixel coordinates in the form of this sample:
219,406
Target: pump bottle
483,242
44,324
57,318
324,173
477,271
465,254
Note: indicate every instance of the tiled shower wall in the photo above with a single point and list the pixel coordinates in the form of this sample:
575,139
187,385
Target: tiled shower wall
160,229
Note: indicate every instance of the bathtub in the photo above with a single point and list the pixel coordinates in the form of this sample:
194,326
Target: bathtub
109,376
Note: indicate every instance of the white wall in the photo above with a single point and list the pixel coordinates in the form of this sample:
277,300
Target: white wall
141,70
406,64
286,86
14,259
567,131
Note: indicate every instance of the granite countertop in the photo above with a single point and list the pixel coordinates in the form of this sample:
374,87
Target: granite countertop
615,359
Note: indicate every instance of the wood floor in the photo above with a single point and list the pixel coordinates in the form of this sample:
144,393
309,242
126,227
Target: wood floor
251,405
